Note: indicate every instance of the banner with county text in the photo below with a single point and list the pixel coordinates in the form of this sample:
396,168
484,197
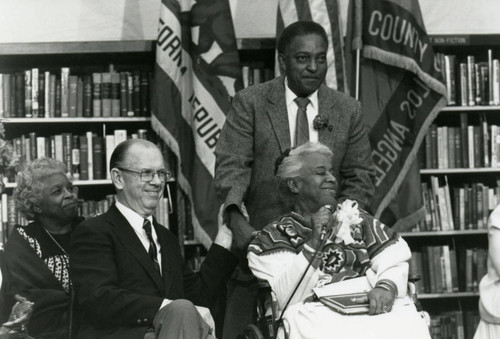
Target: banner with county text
326,13
197,72
402,92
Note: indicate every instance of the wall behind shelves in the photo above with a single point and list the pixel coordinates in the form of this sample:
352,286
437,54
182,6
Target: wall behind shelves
97,20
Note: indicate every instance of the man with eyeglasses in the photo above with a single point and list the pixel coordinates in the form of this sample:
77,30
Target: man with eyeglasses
128,271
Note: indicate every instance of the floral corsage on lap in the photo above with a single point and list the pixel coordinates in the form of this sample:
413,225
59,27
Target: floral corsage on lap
347,214
320,121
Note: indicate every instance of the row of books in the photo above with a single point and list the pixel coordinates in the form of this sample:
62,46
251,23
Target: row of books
86,156
10,215
439,272
34,93
456,324
471,83
464,207
255,75
467,146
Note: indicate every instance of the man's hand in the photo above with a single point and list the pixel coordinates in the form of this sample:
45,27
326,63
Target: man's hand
381,300
207,316
242,230
224,237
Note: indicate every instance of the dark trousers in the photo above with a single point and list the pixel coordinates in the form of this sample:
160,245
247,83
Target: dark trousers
240,306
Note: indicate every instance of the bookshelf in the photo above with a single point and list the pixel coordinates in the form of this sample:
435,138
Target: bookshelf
60,135
460,186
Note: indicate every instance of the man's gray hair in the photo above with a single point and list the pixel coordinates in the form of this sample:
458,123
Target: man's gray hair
292,164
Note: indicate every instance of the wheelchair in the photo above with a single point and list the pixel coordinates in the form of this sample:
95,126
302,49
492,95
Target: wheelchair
266,311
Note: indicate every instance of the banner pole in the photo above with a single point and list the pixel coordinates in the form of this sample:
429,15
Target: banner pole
356,90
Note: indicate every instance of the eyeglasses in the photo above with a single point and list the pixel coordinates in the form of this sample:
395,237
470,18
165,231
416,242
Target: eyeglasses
148,174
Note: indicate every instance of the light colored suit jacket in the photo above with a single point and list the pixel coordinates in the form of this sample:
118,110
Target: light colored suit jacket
256,132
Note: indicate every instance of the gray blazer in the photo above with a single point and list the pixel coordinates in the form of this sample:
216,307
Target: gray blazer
256,132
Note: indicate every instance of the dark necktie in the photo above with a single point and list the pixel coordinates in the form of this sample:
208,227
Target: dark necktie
302,126
152,246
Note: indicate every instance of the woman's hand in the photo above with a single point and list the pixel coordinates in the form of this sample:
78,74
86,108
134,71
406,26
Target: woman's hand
322,221
381,301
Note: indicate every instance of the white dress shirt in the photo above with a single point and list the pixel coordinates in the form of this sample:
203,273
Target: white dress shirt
136,221
311,111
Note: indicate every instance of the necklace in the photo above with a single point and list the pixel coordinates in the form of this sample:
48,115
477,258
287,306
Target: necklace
55,241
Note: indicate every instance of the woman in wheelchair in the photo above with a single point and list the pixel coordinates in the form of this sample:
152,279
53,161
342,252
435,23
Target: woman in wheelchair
315,250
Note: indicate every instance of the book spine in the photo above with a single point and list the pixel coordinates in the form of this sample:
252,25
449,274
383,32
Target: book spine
471,81
97,155
115,94
96,94
35,92
84,162
75,157
28,100
123,94
106,94
87,96
65,92
72,95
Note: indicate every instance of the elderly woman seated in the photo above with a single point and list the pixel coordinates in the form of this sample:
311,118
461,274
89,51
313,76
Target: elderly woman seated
36,256
333,248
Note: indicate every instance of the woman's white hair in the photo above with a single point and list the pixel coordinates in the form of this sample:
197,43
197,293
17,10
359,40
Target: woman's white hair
292,164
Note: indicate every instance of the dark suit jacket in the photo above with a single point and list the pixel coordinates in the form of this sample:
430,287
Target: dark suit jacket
118,289
256,132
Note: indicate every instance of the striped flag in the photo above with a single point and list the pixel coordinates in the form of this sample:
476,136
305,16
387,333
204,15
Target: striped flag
197,72
401,91
325,13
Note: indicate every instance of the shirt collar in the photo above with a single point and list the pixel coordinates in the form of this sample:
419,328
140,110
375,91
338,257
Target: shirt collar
290,96
134,218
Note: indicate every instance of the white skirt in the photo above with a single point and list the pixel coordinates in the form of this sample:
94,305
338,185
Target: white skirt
314,321
487,331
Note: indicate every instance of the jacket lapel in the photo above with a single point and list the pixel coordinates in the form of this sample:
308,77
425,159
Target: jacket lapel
165,258
327,107
278,114
128,237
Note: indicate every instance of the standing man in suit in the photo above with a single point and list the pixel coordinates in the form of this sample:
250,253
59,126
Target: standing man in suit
130,277
269,118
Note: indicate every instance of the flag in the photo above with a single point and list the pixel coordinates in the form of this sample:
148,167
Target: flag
197,72
325,13
401,91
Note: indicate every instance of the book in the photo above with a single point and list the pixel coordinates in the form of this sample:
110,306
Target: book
64,92
106,94
75,157
28,100
98,158
35,92
449,67
136,100
41,94
123,94
84,160
115,94
96,94
109,147
145,81
79,97
72,95
130,95
87,96
52,96
349,304
90,157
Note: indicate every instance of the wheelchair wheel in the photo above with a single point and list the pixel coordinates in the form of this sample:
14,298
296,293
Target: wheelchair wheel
251,332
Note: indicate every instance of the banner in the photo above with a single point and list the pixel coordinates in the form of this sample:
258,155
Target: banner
197,72
326,13
401,91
